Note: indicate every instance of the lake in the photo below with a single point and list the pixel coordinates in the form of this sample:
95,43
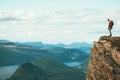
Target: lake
72,64
7,71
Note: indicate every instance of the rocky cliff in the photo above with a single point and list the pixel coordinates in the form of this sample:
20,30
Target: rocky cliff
105,60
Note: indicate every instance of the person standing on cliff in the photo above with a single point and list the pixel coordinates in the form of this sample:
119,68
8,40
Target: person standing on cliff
110,26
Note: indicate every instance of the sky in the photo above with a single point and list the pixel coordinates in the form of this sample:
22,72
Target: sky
58,21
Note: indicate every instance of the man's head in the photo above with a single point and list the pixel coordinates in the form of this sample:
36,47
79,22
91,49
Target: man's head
108,19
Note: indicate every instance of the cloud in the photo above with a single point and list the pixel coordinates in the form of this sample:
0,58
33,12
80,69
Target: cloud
46,26
60,18
118,22
28,34
45,17
9,19
2,36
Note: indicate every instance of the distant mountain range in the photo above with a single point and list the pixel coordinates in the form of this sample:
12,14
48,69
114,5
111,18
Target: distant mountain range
72,45
12,53
82,46
47,69
41,45
40,61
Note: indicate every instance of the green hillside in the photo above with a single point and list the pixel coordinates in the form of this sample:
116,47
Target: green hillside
28,71
47,69
58,71
12,54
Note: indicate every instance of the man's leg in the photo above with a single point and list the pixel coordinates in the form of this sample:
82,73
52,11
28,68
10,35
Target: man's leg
110,33
109,28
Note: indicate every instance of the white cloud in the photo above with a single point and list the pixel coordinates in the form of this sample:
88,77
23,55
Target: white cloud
2,36
47,17
118,22
3,27
52,27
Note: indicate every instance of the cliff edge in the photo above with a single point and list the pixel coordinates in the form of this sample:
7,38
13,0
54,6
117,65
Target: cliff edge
105,59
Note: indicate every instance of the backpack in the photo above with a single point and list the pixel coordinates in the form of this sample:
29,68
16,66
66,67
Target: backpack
111,23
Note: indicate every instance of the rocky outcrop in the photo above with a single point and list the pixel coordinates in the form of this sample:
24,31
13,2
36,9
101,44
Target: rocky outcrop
105,60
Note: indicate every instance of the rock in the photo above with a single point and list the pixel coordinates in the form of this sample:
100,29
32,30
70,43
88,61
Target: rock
105,60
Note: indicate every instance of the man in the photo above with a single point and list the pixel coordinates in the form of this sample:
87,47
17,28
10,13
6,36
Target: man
110,26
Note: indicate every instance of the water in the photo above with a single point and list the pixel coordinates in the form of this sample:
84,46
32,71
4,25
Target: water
7,71
72,64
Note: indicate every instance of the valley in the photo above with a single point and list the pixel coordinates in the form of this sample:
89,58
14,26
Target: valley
12,53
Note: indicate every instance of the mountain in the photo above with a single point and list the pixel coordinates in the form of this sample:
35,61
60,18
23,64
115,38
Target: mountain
75,45
84,49
61,45
58,71
67,55
54,49
36,44
84,65
105,60
4,41
79,44
28,71
9,55
47,69
72,55
82,46
72,45
12,53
